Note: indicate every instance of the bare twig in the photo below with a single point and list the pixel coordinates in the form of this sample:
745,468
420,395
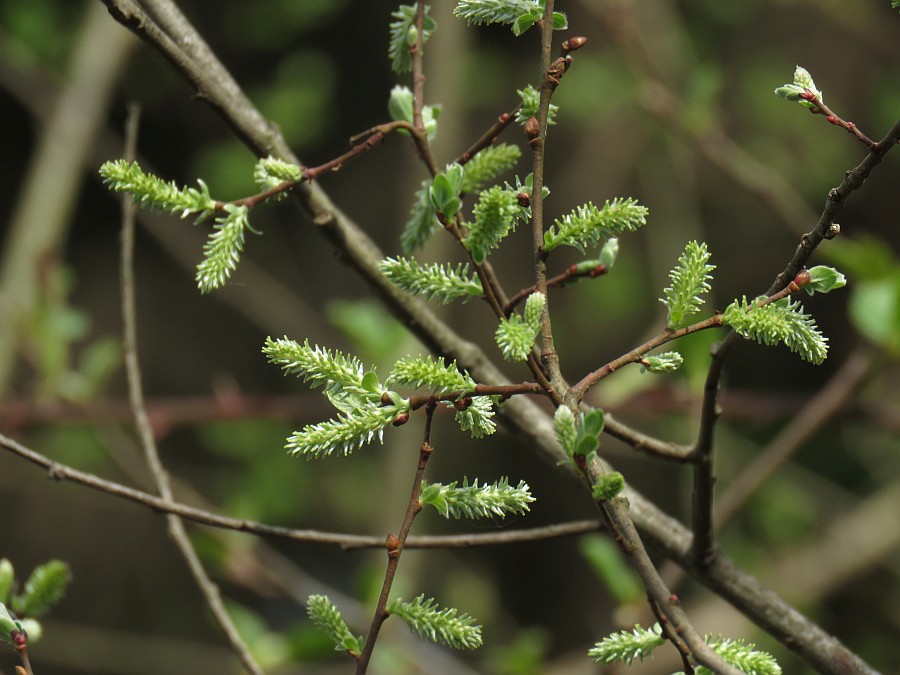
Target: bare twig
62,472
395,545
145,431
825,228
536,138
822,109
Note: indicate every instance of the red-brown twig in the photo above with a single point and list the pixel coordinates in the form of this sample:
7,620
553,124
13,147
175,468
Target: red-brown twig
572,274
395,545
820,108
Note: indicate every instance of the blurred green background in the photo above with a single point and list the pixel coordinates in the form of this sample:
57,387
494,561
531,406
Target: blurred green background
669,102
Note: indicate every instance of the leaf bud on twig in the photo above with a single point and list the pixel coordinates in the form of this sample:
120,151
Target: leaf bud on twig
573,44
533,131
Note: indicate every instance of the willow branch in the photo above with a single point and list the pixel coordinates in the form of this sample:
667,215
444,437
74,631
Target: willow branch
531,427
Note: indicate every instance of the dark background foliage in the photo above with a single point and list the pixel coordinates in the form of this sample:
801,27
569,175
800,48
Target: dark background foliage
670,102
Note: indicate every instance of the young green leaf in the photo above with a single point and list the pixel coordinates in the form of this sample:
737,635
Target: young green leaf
564,428
781,321
607,486
433,281
346,383
587,225
742,656
403,36
434,375
44,588
515,335
609,253
7,577
422,223
7,624
477,501
489,163
512,12
531,101
445,189
400,108
326,616
802,83
149,191
438,625
667,362
626,647
690,280
222,251
824,279
270,172
348,432
496,214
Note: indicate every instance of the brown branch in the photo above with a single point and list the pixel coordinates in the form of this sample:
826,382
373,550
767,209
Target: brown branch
825,228
578,390
663,602
395,546
573,273
63,472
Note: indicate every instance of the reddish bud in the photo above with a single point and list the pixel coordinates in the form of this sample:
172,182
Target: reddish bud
803,278
401,419
524,199
573,44
462,403
503,118
386,399
533,131
391,543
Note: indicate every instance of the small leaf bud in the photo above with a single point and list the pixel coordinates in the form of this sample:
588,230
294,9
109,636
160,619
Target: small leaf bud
386,399
392,544
533,131
573,44
462,403
608,486
803,277
833,230
401,419
411,36
524,199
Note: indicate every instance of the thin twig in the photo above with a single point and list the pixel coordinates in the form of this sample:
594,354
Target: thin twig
63,472
822,109
395,546
537,137
142,422
664,603
573,273
825,228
